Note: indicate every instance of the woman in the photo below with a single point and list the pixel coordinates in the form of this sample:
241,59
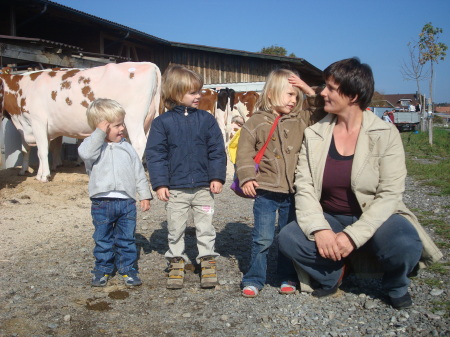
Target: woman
349,184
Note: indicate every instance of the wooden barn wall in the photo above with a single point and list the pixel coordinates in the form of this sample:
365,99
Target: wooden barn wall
214,67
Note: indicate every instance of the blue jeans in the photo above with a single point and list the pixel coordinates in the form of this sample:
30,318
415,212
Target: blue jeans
395,244
115,224
265,209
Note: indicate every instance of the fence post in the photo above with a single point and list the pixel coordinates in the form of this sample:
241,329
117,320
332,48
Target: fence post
430,121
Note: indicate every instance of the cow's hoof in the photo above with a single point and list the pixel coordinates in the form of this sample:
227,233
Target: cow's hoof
43,179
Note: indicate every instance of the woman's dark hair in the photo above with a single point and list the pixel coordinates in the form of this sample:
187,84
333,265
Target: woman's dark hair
355,80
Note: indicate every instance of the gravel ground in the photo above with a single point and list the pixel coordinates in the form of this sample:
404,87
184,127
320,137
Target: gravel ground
46,258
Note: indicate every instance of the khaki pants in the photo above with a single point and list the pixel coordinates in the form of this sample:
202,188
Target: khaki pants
201,201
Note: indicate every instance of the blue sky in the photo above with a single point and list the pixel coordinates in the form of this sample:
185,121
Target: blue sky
320,31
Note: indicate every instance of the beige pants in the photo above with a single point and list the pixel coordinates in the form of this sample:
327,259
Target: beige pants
201,201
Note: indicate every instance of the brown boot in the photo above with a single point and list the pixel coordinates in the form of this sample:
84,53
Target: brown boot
208,272
176,273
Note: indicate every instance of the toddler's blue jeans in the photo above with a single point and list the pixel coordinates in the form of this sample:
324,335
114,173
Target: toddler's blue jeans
115,224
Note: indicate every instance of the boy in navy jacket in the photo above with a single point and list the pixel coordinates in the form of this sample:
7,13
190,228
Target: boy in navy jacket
186,161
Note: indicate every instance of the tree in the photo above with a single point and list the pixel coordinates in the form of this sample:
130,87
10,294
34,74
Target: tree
413,70
276,50
431,50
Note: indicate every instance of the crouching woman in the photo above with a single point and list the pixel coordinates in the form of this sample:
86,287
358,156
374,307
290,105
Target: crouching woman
349,184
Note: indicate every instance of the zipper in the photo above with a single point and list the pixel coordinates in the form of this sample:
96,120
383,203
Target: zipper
185,111
112,161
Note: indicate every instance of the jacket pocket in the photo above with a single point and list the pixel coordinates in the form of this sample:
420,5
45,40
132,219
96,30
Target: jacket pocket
269,172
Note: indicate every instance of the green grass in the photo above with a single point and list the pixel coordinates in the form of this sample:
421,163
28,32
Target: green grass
440,268
432,282
429,163
441,306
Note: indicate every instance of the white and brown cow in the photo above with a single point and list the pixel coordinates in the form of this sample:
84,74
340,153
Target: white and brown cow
208,100
44,105
244,105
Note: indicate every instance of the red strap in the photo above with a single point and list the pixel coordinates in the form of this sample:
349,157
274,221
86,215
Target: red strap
260,153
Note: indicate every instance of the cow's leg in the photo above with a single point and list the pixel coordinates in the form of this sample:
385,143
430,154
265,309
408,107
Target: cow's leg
221,120
42,143
55,150
25,159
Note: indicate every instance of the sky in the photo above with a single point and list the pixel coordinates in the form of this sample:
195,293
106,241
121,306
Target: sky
319,31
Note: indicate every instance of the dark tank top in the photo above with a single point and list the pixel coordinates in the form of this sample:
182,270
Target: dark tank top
337,195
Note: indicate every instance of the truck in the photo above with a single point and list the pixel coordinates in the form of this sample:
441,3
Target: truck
404,119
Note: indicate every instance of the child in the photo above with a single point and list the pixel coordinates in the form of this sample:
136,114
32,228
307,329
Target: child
273,185
115,175
186,162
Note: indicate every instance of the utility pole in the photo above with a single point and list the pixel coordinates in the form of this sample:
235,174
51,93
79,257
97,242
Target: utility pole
430,121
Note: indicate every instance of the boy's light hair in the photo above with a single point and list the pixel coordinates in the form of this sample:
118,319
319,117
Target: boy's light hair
276,83
103,109
177,81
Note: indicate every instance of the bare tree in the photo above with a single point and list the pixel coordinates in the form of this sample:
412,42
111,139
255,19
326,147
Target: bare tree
413,69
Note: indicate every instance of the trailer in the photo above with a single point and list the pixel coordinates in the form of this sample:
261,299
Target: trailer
406,120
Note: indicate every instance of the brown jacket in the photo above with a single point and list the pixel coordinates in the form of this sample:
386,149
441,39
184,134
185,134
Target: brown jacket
277,167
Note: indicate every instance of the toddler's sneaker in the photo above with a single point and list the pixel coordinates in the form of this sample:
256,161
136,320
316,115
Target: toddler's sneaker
209,272
176,273
100,279
131,278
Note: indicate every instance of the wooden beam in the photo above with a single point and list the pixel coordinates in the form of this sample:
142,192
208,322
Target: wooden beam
39,55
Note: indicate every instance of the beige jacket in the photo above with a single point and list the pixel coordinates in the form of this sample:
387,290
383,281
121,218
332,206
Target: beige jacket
377,179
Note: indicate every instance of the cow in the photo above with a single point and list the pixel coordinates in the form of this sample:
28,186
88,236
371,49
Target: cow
225,100
244,103
243,107
208,100
44,105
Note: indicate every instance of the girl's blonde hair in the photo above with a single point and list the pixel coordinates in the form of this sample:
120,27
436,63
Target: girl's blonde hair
103,109
276,83
177,81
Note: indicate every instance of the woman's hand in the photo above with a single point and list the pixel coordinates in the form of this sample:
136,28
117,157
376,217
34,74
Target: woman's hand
327,245
249,188
299,83
345,244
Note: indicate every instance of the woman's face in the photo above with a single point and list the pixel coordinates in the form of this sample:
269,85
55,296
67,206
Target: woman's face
335,103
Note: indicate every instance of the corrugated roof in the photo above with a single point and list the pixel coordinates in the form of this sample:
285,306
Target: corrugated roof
103,21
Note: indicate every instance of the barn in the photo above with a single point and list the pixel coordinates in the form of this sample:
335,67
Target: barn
40,34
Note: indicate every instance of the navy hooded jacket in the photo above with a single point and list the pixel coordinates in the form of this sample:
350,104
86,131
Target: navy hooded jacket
185,149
